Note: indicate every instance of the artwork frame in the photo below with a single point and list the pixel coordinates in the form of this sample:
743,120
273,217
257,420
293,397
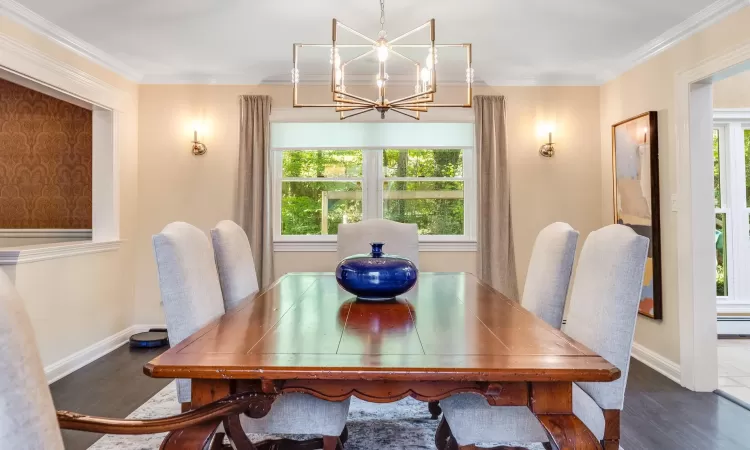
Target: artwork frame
636,202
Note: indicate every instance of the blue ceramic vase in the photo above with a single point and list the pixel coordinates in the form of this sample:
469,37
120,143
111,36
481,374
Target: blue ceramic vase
377,276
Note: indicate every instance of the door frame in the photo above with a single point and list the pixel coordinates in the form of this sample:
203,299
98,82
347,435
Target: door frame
695,212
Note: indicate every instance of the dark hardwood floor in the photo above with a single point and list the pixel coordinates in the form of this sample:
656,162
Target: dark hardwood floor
658,414
112,386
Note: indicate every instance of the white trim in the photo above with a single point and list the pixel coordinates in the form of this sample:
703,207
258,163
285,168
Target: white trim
732,114
44,252
331,246
75,361
33,64
659,363
39,24
695,246
707,16
44,233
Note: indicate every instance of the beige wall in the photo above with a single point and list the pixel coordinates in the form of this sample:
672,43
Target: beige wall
650,86
75,302
733,92
175,185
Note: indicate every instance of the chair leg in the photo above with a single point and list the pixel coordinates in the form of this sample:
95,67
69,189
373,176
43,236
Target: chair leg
435,409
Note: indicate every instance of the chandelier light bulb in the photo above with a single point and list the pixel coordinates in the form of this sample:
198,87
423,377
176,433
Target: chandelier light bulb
382,53
381,48
426,74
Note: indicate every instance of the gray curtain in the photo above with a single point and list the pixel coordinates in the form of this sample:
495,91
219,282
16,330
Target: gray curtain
496,262
254,191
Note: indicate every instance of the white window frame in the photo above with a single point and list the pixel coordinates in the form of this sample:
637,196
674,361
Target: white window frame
731,124
372,201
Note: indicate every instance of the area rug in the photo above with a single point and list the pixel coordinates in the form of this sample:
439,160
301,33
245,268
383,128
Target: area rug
401,425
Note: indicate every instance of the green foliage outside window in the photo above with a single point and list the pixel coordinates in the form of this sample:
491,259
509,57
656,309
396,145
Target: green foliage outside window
317,194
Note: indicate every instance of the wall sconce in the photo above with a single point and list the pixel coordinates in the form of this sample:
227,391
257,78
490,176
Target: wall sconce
547,150
199,148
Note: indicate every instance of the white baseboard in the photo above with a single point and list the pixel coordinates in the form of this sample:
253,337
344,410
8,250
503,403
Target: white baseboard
659,363
73,362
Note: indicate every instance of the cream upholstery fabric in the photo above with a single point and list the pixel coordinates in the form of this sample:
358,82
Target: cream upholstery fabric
192,298
400,239
27,414
549,272
234,261
189,285
604,303
474,421
603,309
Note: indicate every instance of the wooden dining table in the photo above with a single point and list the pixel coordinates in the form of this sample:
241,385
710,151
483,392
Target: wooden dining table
450,334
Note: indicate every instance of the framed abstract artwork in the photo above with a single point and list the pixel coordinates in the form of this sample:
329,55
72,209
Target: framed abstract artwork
635,167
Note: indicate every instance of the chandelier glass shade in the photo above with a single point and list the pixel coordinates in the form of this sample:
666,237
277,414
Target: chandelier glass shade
349,105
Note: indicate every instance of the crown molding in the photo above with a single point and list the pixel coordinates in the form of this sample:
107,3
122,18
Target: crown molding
695,23
709,15
39,24
21,60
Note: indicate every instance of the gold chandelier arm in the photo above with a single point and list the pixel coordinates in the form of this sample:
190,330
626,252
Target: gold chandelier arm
415,117
337,45
356,97
352,108
418,101
411,108
355,32
404,57
409,97
352,102
451,105
429,23
428,45
356,58
342,116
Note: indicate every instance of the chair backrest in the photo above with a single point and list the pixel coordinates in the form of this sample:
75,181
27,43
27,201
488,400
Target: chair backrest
234,261
27,414
548,276
604,303
189,284
400,238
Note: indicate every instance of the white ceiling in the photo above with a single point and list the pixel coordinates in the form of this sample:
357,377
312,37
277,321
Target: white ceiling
250,41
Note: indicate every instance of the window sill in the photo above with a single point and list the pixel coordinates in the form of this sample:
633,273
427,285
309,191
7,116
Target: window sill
43,252
330,246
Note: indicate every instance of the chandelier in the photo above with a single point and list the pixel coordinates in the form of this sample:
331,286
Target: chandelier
349,105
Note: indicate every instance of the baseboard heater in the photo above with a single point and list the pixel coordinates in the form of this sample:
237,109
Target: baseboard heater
733,327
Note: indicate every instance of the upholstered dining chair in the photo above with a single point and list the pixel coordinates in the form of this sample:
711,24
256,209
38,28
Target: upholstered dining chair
400,238
548,275
602,314
27,414
192,297
235,263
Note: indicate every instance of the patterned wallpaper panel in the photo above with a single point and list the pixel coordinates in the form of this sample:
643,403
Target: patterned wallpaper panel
45,161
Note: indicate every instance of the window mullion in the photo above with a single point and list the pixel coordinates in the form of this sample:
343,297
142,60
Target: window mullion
370,184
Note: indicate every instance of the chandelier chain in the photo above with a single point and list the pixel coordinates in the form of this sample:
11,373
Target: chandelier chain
382,15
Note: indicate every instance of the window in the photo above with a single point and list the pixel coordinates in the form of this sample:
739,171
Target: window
319,188
731,150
